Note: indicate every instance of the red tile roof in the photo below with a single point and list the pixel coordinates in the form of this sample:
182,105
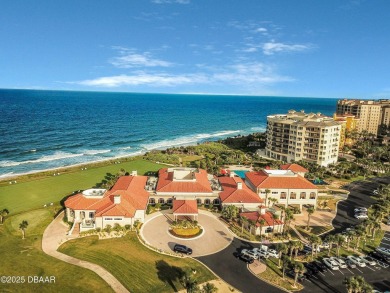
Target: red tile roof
294,168
230,193
256,217
185,207
133,197
167,184
261,179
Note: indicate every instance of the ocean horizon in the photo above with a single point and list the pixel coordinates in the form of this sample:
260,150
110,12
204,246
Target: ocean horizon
43,129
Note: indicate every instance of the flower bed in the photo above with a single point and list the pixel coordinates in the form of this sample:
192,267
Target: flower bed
186,233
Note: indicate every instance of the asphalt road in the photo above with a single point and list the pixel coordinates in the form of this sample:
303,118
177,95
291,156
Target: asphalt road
360,196
234,271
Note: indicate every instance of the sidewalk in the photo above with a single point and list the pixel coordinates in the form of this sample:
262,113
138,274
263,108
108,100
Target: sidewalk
55,235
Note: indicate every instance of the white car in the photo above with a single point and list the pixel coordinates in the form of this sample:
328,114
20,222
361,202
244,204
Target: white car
324,245
356,260
339,261
361,216
375,191
273,253
250,253
331,264
261,252
360,210
368,260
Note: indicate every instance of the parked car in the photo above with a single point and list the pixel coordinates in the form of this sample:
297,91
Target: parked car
375,191
261,252
246,258
324,245
251,253
356,260
350,264
311,267
360,210
291,274
380,256
273,253
341,263
309,248
368,260
361,216
182,249
321,267
383,250
331,264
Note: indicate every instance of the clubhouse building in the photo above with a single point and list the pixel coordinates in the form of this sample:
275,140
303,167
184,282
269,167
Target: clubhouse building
184,189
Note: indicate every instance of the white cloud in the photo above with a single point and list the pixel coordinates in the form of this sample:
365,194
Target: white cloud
272,47
144,79
261,30
129,60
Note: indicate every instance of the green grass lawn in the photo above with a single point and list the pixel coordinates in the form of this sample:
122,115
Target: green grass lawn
25,258
187,158
135,266
34,194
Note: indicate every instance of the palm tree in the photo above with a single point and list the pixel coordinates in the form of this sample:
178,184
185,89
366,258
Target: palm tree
243,221
251,225
3,214
330,239
285,264
352,284
282,248
314,241
298,246
275,217
339,239
23,226
291,247
359,232
298,268
209,288
261,223
289,216
230,212
267,191
273,200
349,236
310,211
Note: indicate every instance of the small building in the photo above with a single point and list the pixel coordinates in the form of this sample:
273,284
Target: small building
235,192
287,187
124,204
298,169
185,208
271,225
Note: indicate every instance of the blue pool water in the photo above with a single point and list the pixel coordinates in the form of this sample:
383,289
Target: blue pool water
240,173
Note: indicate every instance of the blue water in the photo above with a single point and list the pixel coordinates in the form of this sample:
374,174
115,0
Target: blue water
48,129
240,173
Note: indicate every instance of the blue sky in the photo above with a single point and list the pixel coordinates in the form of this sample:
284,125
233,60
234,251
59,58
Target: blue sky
323,48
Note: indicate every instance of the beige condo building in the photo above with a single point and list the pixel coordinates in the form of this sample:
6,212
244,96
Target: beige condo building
371,113
300,136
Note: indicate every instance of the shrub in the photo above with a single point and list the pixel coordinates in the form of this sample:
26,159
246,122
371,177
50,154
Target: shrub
127,227
108,228
98,229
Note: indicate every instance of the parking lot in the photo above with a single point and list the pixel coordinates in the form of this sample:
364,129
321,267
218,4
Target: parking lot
333,280
386,240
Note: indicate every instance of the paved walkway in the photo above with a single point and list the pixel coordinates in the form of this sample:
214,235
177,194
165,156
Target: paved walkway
215,237
55,235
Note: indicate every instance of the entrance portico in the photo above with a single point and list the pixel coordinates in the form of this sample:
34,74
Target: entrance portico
185,208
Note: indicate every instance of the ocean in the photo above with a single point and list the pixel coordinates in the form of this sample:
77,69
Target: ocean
41,130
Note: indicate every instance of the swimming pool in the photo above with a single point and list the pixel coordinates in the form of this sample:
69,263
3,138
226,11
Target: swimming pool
240,173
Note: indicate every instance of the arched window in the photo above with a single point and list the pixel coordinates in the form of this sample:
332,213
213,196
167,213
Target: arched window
152,201
293,195
216,201
303,195
198,201
312,195
206,201
161,200
169,201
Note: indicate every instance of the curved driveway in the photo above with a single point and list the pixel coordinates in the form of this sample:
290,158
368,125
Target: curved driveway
215,237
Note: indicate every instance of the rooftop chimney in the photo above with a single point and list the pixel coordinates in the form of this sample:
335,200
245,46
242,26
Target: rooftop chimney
231,174
117,199
262,210
239,185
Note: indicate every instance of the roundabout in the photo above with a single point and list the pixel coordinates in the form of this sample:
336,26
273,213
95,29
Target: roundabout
214,237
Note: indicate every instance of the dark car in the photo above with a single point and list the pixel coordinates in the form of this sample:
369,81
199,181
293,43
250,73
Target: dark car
380,256
246,258
291,274
320,266
182,249
311,267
